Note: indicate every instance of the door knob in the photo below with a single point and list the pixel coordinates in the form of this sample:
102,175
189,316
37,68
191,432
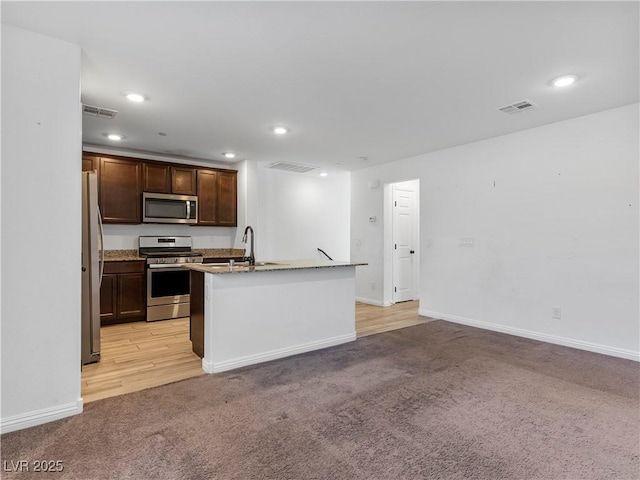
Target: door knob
412,252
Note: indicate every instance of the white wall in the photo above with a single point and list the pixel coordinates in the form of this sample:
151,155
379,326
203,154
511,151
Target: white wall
246,200
298,213
553,212
125,237
41,227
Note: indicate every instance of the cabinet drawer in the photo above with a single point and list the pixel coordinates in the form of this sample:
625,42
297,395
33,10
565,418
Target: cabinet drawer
124,267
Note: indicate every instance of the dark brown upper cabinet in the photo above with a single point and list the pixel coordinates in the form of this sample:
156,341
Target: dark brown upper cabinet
227,198
165,178
89,162
217,197
183,180
120,189
207,197
157,178
121,181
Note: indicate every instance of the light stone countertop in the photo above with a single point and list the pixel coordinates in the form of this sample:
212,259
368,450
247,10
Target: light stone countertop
132,255
281,265
122,256
220,252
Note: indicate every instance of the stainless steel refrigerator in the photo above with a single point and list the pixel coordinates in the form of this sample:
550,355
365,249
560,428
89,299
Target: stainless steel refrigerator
92,268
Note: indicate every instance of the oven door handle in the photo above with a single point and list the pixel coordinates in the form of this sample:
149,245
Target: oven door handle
166,266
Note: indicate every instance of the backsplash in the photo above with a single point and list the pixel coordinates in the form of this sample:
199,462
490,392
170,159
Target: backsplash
125,237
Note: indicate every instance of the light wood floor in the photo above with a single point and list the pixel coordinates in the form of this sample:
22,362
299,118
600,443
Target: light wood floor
371,319
140,355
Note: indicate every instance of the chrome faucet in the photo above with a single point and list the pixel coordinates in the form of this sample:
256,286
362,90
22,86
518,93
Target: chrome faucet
251,258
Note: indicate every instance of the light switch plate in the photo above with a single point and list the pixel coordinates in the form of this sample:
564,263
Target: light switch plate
467,242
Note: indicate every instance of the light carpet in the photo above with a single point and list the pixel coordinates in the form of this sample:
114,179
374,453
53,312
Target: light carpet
434,401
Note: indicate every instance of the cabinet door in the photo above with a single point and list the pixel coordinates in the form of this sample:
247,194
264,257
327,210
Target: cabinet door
131,295
227,198
120,189
89,162
183,180
156,178
207,197
108,294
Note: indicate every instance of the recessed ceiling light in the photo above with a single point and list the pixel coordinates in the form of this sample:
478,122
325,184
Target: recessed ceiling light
323,174
280,130
114,136
229,155
564,81
135,97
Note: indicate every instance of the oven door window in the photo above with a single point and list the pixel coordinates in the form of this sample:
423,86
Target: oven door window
170,282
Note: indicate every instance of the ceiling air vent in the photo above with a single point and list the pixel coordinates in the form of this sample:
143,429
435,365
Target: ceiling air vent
99,112
292,167
518,107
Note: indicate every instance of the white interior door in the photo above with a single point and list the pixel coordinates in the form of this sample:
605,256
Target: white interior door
403,249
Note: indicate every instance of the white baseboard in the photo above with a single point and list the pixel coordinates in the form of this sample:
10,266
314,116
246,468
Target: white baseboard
370,301
37,417
543,337
217,367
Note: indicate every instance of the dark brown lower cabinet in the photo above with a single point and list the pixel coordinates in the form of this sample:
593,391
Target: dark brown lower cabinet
108,296
196,306
123,293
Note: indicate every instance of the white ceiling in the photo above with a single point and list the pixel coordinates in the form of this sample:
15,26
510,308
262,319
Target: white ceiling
383,80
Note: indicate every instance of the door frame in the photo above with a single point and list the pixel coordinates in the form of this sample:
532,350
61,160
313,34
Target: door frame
387,243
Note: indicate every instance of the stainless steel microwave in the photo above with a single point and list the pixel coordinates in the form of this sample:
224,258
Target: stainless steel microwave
167,208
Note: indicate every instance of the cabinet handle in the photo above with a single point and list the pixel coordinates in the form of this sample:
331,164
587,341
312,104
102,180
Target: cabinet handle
101,259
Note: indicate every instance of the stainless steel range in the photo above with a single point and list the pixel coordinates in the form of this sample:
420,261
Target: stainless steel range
168,284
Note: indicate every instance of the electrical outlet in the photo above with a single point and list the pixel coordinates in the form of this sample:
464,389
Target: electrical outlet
556,312
373,285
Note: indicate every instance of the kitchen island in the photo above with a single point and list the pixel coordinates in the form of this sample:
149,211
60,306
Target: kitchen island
243,315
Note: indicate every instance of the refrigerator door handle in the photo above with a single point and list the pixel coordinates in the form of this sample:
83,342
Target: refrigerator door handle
101,244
